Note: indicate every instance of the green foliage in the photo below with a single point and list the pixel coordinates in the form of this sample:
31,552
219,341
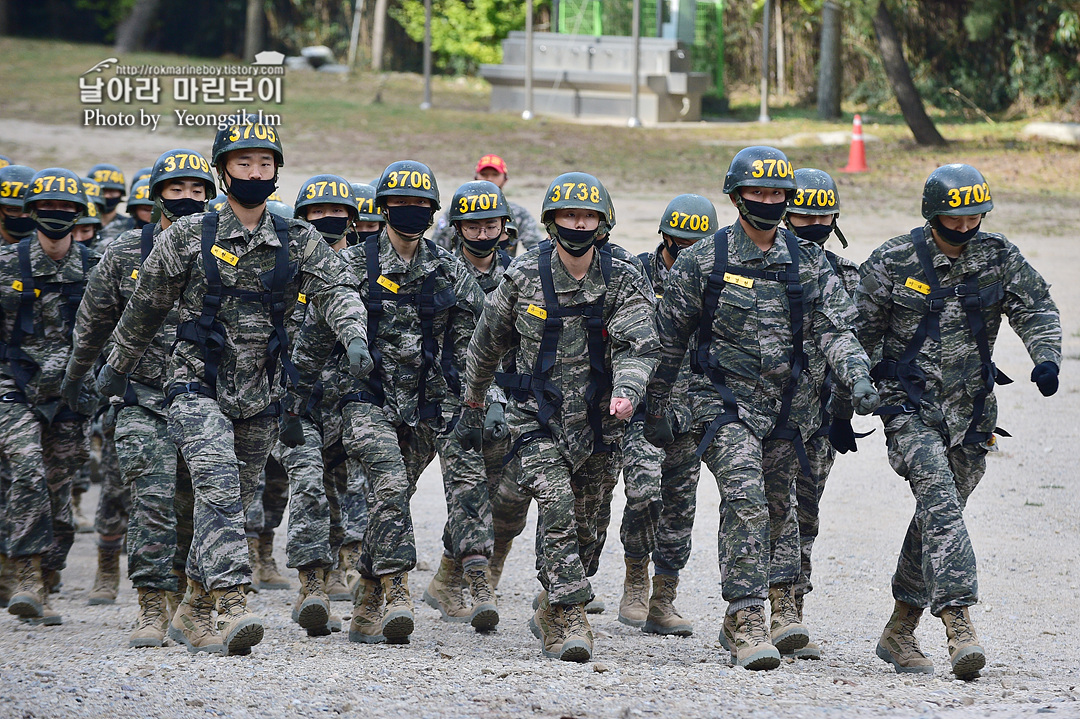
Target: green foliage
464,33
107,13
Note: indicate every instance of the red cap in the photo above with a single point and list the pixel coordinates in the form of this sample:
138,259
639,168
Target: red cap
493,161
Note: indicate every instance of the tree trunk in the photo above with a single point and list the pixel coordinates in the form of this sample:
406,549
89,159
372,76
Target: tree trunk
131,32
781,79
896,68
378,34
253,29
829,67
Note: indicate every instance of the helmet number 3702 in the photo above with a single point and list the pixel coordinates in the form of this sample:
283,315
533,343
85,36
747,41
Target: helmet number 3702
962,196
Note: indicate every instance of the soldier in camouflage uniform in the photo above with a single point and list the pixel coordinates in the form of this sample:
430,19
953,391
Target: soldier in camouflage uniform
931,302
422,307
236,274
663,526
527,234
154,477
111,180
581,328
478,214
754,294
42,440
140,204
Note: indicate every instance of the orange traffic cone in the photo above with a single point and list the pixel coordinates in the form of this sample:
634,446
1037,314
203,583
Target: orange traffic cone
857,154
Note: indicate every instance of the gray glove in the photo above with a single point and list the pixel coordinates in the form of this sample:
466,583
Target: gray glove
360,363
292,431
864,396
111,383
470,428
70,390
495,422
658,431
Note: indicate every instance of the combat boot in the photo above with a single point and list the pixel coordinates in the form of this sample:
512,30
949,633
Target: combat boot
256,565
965,653
336,589
82,524
152,622
29,597
240,629
52,580
7,579
193,624
349,561
397,623
445,591
485,615
787,631
578,635
663,617
498,561
811,650
547,625
269,576
596,606
634,607
311,610
107,581
366,624
746,636
898,645
173,599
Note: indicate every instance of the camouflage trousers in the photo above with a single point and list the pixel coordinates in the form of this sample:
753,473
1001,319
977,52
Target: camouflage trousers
569,507
808,490
114,504
318,478
936,567
393,458
225,457
509,502
641,483
271,499
5,484
159,526
43,459
758,538
354,512
680,471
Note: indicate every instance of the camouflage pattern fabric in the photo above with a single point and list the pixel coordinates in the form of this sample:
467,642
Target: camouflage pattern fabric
315,487
271,499
530,234
679,475
116,227
114,503
354,510
468,528
509,503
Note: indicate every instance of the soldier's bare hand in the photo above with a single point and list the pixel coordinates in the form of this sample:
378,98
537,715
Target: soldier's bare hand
621,407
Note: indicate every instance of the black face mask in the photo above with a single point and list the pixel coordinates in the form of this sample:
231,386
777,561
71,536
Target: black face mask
19,227
507,243
111,203
139,224
480,248
250,193
410,221
576,242
365,236
954,237
175,209
762,216
672,248
54,224
331,228
813,233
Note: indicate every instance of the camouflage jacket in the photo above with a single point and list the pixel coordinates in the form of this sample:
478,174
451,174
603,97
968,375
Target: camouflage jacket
116,227
529,233
890,310
458,302
48,346
657,273
110,287
511,322
752,332
175,271
488,281
848,272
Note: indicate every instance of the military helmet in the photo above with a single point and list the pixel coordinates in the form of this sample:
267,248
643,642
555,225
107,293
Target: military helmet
14,182
955,190
511,232
577,190
244,137
407,178
110,177
92,216
56,183
180,164
281,209
759,166
221,200
689,217
4,161
92,190
815,193
365,203
478,200
140,195
325,190
142,174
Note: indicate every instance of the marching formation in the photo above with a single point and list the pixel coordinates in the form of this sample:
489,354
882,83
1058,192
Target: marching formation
235,356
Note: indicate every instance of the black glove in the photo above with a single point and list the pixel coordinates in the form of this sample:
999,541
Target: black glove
111,383
864,396
70,390
1045,375
495,422
842,436
360,363
470,428
658,431
292,431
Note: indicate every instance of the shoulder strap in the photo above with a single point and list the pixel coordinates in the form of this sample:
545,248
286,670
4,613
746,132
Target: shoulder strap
146,241
24,320
504,259
646,262
277,347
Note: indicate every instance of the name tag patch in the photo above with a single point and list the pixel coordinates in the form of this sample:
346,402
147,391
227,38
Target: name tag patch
920,287
537,312
224,255
388,283
739,280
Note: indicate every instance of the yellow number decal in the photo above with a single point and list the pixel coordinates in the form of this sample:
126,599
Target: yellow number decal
954,197
594,195
759,169
234,133
463,204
